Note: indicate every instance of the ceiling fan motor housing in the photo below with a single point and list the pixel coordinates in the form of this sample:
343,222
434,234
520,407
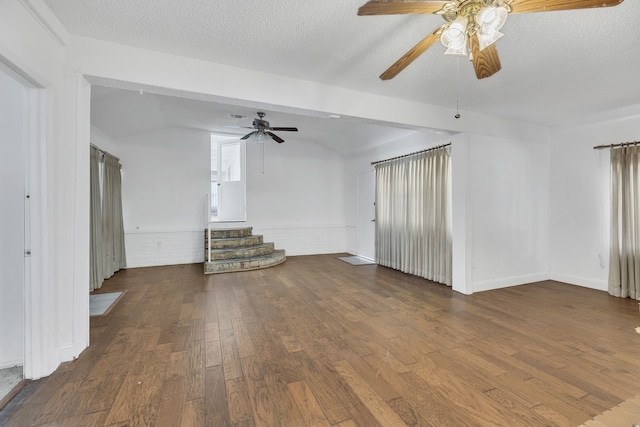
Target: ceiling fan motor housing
260,124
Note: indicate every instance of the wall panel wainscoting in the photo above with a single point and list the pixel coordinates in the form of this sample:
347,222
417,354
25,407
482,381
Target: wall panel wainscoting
317,341
307,240
150,248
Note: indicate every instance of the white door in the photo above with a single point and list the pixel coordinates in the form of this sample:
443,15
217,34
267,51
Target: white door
231,181
367,214
12,222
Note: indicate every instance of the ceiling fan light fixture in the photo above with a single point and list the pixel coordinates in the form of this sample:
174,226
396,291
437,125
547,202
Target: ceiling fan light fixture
489,21
454,37
459,51
479,19
260,137
486,40
492,18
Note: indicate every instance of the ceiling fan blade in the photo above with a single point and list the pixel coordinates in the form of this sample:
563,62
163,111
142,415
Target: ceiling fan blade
378,7
411,55
275,137
285,129
486,62
526,6
247,136
237,127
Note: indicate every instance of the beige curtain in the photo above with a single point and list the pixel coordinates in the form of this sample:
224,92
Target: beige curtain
113,253
624,256
96,276
413,214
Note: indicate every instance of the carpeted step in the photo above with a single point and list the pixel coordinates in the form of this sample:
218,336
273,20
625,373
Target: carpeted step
244,264
244,252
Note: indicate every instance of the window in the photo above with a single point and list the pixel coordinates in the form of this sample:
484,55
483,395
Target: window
228,174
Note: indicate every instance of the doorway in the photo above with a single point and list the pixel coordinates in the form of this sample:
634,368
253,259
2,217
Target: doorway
228,180
13,223
366,231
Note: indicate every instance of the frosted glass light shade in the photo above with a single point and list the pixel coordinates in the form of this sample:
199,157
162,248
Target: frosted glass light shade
260,137
460,51
491,19
488,39
454,38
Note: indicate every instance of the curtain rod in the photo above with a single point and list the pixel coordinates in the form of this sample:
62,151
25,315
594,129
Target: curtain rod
411,154
101,151
623,144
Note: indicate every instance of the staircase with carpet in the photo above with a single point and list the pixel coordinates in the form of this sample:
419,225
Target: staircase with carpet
237,249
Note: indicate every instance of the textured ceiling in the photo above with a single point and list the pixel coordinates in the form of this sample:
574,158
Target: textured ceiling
557,67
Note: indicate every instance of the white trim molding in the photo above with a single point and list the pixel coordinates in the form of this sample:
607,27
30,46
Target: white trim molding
462,271
585,282
39,316
506,282
49,21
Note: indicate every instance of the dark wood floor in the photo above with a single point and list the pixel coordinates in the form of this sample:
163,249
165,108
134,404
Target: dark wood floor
319,342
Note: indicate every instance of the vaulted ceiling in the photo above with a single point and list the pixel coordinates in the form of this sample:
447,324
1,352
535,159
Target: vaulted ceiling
557,67
123,112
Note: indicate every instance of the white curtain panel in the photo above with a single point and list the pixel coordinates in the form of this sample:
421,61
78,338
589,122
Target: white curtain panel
96,276
113,253
413,214
624,256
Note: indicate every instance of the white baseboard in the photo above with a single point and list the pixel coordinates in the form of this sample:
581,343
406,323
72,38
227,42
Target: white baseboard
580,281
68,352
11,363
507,282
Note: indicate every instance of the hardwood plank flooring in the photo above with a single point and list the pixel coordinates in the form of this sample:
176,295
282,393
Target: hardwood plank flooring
625,414
318,342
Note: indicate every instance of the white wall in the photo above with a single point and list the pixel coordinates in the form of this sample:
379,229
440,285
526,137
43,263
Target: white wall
500,207
165,179
297,202
509,212
165,176
580,200
56,297
69,200
12,221
102,140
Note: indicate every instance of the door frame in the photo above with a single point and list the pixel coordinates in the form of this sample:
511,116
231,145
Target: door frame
38,312
229,184
359,228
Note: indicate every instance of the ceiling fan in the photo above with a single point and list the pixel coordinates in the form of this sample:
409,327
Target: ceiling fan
472,26
263,130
